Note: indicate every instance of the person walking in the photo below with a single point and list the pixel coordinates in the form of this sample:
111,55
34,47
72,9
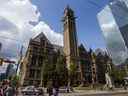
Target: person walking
1,91
50,88
68,88
56,89
41,91
125,84
9,91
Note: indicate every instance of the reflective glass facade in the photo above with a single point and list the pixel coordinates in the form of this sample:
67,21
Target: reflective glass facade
113,20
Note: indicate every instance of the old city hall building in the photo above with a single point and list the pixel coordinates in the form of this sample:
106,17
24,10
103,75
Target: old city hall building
34,60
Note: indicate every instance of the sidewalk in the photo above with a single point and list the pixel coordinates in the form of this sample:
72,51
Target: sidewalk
94,92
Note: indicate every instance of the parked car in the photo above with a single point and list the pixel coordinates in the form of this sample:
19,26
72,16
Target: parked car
30,90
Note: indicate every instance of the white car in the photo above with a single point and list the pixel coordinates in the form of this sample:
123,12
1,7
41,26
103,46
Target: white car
30,90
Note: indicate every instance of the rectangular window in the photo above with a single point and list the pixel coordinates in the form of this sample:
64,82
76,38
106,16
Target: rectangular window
32,73
38,74
33,60
40,61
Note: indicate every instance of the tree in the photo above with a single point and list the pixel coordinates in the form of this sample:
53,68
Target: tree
118,75
57,72
73,73
48,70
61,72
15,81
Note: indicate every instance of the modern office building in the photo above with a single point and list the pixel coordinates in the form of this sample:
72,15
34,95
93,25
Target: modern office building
113,20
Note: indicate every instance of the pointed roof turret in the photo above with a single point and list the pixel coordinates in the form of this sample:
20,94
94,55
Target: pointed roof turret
81,47
68,8
68,11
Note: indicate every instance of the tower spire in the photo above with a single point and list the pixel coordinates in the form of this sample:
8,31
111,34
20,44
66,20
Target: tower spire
68,7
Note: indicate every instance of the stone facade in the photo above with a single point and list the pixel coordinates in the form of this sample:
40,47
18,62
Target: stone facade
101,64
70,37
91,68
40,51
86,65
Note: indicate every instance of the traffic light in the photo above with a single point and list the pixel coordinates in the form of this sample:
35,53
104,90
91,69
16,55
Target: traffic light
1,61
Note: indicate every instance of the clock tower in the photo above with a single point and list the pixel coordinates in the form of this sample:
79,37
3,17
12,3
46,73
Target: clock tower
70,37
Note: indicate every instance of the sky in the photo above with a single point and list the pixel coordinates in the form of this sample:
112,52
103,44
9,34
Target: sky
88,30
21,20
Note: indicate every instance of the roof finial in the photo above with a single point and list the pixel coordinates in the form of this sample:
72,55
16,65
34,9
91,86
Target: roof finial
68,8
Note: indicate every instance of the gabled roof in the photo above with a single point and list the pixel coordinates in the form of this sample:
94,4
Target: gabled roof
41,35
82,48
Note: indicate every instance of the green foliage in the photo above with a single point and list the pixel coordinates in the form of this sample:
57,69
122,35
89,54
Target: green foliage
48,70
118,74
73,68
61,71
73,73
56,72
15,80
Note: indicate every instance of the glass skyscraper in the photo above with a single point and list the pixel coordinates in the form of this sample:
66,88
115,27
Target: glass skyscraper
113,20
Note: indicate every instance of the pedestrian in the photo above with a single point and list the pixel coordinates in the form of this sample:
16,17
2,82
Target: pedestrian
9,91
16,91
56,89
1,91
41,91
68,88
71,88
4,87
125,84
50,88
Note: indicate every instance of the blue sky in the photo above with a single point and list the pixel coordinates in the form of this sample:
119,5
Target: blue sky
88,30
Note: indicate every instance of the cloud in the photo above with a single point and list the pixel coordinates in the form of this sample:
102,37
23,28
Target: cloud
112,34
16,26
54,37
